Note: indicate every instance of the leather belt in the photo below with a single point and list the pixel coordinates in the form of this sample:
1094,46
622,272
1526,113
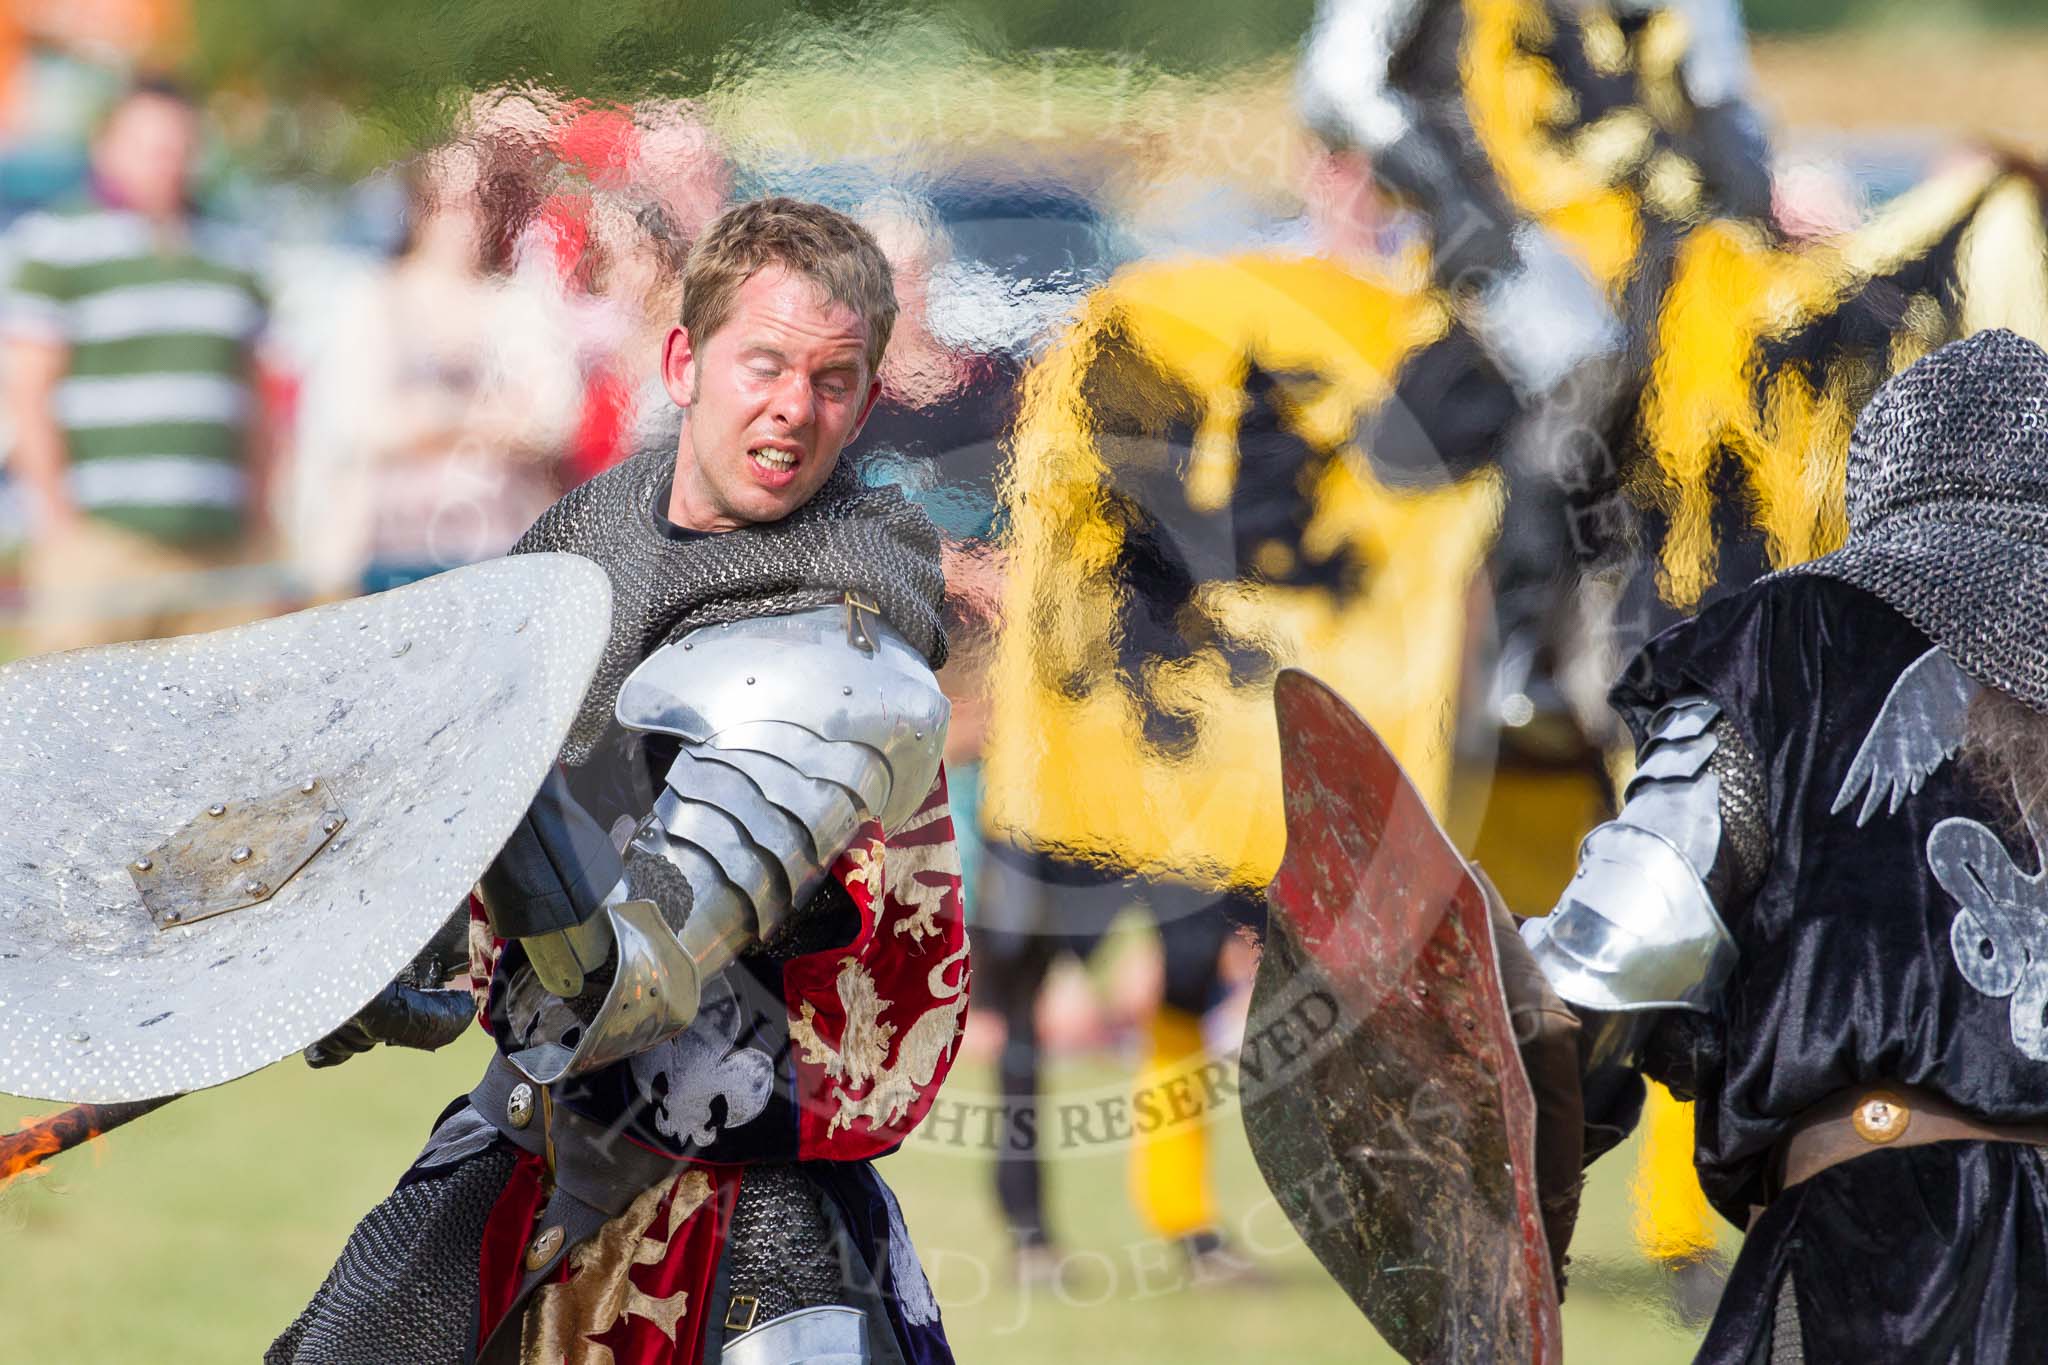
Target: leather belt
599,1165
1857,1122
597,1172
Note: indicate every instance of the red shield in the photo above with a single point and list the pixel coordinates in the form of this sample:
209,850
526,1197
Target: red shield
1401,1137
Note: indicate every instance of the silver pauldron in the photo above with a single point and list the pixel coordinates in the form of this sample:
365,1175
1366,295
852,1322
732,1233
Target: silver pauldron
1639,928
794,731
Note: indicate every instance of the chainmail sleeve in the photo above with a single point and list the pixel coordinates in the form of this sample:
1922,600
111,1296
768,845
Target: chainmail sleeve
651,877
1638,945
1680,1045
1745,822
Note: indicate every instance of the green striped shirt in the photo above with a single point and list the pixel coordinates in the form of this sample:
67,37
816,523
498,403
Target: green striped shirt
156,399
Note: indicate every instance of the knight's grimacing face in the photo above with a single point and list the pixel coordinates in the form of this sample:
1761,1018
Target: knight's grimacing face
773,396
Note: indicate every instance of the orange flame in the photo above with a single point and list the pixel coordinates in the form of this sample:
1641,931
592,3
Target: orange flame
23,1153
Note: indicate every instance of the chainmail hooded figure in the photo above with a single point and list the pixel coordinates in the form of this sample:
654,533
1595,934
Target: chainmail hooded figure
1815,918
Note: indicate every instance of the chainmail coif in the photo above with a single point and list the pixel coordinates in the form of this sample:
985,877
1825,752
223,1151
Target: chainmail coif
848,538
1948,507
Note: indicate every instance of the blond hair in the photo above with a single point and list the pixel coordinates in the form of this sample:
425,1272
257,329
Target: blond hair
824,246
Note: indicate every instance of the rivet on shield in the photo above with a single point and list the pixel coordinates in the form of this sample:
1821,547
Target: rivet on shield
253,887
143,864
216,810
308,785
519,1105
750,682
242,854
846,691
544,1248
330,824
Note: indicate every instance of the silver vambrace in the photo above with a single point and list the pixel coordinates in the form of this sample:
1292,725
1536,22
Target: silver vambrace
1639,929
795,731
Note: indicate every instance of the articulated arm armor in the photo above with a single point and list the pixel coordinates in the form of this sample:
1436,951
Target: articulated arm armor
1347,95
1638,931
1344,87
1640,928
793,732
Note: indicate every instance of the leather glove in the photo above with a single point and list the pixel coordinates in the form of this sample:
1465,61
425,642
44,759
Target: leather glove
1547,1034
399,1016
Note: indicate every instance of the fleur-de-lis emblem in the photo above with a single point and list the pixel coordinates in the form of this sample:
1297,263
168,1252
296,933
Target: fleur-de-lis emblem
703,1063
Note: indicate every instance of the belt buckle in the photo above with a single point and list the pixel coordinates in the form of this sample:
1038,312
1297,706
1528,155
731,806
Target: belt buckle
741,1312
1880,1117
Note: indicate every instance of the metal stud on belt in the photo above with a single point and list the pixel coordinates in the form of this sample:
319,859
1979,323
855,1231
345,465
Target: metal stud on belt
519,1105
543,1248
1881,1118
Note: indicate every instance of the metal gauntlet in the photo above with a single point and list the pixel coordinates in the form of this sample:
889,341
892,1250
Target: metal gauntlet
795,731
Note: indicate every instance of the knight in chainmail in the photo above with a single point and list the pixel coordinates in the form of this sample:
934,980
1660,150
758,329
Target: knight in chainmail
727,963
1821,912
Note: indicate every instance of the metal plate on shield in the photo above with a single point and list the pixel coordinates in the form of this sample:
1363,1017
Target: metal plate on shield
427,716
235,854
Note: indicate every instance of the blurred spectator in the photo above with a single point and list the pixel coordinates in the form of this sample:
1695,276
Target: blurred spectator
1350,221
616,237
129,333
936,433
1815,196
944,408
619,304
435,422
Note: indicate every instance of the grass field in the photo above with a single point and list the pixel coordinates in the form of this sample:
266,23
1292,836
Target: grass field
200,1231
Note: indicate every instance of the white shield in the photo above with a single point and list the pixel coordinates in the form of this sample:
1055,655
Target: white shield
360,764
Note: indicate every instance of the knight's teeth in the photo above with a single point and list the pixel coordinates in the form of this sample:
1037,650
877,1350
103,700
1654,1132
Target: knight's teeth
775,459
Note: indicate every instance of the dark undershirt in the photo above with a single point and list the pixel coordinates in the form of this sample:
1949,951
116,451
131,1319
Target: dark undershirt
659,512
